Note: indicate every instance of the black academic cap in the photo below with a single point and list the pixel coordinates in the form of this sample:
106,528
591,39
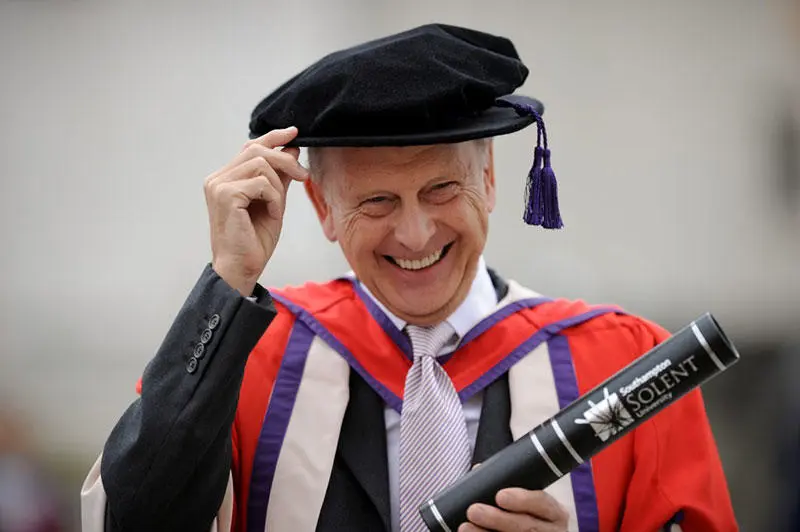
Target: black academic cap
433,84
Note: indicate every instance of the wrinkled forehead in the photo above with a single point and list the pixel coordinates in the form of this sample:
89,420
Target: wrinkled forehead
345,163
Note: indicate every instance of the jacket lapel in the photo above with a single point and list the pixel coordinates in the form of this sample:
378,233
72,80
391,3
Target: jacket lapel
358,490
494,432
500,285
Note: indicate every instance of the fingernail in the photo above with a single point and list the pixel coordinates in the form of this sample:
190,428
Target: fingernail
503,497
476,510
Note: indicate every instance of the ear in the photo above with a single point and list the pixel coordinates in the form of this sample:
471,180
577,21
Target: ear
488,177
323,208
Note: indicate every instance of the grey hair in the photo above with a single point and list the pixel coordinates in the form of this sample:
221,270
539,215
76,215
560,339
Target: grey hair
315,165
482,145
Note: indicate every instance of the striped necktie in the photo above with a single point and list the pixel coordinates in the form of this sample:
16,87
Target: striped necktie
434,445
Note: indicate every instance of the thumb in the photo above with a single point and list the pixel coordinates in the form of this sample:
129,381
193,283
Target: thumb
294,152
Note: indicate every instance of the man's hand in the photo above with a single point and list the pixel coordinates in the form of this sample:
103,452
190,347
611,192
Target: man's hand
522,511
246,201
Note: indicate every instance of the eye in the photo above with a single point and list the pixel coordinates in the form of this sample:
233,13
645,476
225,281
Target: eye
377,206
375,200
440,186
442,192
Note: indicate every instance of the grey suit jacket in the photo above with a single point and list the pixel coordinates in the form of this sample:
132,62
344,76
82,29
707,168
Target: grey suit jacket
165,464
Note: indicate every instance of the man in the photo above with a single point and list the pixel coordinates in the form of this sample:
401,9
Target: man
345,405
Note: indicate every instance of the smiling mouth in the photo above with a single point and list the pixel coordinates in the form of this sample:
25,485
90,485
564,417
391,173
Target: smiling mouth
420,264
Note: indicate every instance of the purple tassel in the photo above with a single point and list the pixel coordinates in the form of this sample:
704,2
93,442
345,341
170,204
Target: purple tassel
541,191
552,216
534,201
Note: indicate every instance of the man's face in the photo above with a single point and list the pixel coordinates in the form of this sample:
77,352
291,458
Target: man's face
412,221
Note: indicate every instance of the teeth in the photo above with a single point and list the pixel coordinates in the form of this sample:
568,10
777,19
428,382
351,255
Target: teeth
419,263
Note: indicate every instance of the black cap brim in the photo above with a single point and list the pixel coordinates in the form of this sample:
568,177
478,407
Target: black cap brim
493,122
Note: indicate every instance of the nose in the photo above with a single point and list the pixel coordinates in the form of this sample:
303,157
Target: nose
414,228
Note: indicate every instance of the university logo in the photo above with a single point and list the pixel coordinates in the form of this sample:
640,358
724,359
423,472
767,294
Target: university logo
608,417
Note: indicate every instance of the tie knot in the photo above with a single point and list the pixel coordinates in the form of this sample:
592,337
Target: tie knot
428,341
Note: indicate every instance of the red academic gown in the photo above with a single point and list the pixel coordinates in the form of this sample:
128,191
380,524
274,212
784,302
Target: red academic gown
666,471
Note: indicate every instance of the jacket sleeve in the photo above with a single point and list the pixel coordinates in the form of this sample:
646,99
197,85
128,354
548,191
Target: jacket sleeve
678,482
166,464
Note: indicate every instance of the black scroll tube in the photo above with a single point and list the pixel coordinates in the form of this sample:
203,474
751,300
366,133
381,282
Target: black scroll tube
683,362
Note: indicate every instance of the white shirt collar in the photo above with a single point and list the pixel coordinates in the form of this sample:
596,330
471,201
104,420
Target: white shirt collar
480,302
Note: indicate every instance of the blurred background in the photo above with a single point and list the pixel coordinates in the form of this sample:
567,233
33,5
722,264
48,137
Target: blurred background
675,129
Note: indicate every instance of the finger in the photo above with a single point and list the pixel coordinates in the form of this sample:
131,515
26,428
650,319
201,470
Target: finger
470,527
279,181
247,191
281,160
294,152
246,170
492,518
242,192
280,186
275,138
537,503
287,164
274,200
285,161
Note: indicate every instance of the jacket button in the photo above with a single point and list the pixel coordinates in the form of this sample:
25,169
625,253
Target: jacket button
206,336
191,366
199,351
213,322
